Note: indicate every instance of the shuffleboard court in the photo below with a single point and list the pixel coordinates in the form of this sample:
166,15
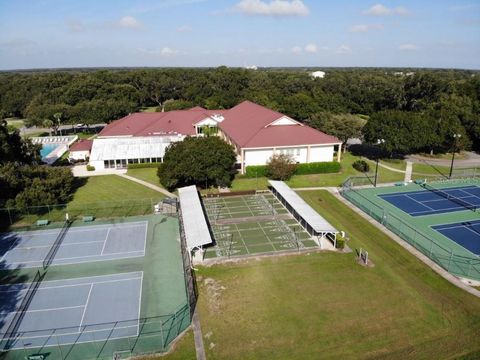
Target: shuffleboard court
81,244
465,233
425,202
76,310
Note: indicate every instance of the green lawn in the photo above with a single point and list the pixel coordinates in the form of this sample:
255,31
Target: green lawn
324,305
147,174
395,163
103,197
183,349
16,123
336,179
431,169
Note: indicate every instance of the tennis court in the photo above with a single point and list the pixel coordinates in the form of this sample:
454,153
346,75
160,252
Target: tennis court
80,244
465,233
253,224
427,202
79,310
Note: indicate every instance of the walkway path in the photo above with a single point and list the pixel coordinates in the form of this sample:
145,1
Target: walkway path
147,184
408,172
81,171
198,337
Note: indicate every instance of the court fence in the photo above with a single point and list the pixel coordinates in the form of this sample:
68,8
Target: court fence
123,339
28,216
459,265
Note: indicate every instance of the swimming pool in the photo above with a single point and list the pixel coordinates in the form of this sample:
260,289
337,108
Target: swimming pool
47,149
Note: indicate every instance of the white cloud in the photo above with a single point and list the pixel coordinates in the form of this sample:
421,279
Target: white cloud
184,28
408,47
129,22
272,8
343,49
296,49
382,10
365,27
311,48
166,51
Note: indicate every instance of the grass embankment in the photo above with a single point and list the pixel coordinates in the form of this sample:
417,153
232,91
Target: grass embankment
324,305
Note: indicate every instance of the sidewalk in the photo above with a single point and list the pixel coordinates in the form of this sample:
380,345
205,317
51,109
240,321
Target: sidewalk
81,171
151,186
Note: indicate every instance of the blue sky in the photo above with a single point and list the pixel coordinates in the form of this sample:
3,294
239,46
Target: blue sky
61,33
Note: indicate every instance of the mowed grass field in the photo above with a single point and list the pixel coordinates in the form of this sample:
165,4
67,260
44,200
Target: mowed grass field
100,196
147,174
325,305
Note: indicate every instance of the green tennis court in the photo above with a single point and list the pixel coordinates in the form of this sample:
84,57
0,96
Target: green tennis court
424,231
120,306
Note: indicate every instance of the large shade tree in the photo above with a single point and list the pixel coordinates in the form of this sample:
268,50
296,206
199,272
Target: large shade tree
203,161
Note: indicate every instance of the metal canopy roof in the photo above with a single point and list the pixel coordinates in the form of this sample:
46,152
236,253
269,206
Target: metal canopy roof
317,222
196,229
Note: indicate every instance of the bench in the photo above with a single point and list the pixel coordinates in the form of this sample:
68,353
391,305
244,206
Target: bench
399,184
419,182
88,218
42,222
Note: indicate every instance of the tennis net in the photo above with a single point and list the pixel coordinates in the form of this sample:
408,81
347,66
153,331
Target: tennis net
452,198
9,336
53,250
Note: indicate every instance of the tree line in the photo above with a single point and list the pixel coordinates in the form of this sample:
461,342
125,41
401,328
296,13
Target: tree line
433,104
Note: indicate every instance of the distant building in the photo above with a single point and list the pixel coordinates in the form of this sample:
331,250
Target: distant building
251,67
318,74
255,132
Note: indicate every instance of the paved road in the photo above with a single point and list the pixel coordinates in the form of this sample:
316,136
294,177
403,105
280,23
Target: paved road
471,159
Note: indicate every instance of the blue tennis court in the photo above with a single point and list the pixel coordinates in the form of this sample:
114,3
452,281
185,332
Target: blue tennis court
81,244
425,202
466,234
74,311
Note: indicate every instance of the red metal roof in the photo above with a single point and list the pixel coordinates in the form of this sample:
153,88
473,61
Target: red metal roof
246,124
82,145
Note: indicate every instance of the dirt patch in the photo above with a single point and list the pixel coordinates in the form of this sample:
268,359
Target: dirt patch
214,289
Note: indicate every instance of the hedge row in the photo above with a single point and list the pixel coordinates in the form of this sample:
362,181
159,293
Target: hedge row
318,168
142,166
253,171
302,169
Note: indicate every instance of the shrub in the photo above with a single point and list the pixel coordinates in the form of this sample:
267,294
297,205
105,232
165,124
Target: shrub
318,168
340,243
281,167
361,165
143,166
90,168
253,171
302,169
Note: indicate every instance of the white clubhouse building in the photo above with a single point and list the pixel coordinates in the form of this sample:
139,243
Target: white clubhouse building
255,132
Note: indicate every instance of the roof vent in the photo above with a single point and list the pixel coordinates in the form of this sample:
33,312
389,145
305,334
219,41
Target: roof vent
217,117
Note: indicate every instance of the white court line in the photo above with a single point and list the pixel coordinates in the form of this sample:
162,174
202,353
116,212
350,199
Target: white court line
137,274
139,305
81,229
52,309
85,307
50,245
105,241
421,203
458,227
76,257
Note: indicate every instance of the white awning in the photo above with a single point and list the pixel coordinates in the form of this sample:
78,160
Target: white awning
194,223
305,211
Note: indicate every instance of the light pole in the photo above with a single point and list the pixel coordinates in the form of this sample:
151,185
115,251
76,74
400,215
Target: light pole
379,142
455,138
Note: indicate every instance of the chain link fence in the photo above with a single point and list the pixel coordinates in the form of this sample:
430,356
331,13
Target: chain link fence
444,256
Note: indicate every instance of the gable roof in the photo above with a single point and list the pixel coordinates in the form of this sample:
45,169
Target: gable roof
82,145
249,125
